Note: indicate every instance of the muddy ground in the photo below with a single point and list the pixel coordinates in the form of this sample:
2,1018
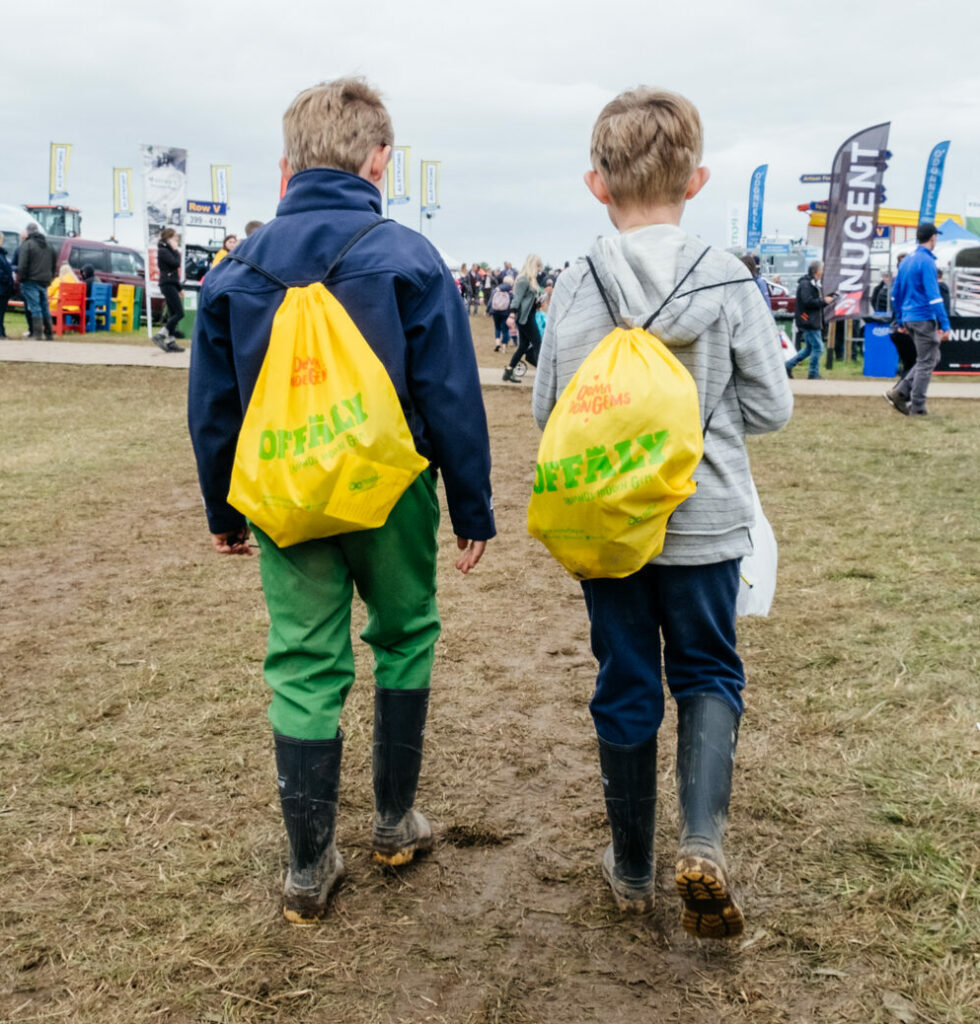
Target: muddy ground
141,848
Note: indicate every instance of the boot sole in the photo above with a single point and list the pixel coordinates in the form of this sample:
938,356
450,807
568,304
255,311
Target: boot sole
709,911
403,855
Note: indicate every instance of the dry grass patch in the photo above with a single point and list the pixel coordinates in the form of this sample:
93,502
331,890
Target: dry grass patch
141,849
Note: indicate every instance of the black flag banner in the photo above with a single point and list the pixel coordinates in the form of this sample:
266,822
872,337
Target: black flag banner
852,216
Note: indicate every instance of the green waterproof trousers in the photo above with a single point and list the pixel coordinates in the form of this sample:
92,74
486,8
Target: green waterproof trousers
308,590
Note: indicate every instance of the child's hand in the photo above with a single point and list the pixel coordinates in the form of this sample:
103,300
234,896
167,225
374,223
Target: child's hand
472,553
233,543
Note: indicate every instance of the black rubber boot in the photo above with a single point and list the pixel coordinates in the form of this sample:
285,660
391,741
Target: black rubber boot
400,832
707,733
309,777
629,784
48,329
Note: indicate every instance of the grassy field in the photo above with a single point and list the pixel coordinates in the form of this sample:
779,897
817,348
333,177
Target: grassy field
141,848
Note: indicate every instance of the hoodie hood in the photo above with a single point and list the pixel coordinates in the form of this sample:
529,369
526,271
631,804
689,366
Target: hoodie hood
640,269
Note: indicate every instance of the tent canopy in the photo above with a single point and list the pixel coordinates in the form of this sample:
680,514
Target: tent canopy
953,232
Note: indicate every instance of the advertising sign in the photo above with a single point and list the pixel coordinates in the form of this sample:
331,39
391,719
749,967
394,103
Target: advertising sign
973,215
430,185
933,182
58,176
165,199
398,175
733,225
852,217
814,179
757,197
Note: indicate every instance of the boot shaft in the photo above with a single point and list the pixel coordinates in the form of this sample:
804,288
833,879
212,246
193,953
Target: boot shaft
399,729
629,785
309,781
707,734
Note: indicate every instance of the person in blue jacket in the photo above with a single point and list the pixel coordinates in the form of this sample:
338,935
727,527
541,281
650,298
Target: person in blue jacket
919,312
401,296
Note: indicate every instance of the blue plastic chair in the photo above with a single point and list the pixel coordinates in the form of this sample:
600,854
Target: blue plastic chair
97,311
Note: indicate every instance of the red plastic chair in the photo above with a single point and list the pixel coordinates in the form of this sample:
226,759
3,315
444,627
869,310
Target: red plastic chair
68,310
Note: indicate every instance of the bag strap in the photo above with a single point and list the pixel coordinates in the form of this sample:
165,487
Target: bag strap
677,288
602,291
358,235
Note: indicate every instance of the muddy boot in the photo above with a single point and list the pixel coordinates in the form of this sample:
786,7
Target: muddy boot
36,334
48,329
707,731
309,777
629,784
399,725
509,375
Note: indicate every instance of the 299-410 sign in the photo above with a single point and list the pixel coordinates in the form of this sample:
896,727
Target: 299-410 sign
206,214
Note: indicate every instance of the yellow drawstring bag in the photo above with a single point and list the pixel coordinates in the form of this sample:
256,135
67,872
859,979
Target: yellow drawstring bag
617,455
324,447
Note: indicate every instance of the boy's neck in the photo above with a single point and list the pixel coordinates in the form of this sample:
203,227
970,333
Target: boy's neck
633,218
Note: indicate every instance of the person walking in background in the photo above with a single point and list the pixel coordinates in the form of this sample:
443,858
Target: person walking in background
810,304
919,312
500,300
168,263
753,268
397,290
525,304
6,287
36,267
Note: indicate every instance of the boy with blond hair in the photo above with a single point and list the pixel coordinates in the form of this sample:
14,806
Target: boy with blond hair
646,164
402,298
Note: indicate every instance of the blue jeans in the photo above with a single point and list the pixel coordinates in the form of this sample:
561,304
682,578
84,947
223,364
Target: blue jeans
694,607
36,300
812,347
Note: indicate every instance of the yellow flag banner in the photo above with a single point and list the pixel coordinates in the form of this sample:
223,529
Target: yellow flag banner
398,175
58,179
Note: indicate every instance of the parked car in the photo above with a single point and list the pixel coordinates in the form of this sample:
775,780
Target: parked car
197,260
783,300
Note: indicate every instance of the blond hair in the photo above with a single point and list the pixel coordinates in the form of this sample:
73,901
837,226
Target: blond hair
532,267
646,144
335,124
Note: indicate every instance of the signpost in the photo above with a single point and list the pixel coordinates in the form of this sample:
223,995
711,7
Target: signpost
205,213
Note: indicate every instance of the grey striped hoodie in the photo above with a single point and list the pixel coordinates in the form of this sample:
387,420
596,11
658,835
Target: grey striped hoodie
725,337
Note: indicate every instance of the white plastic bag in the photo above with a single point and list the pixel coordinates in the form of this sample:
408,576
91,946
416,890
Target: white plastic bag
757,586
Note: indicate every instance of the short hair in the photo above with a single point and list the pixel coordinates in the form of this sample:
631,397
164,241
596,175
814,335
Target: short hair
335,124
32,228
814,266
252,226
646,144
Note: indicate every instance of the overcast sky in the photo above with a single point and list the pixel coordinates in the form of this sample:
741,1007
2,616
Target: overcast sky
504,95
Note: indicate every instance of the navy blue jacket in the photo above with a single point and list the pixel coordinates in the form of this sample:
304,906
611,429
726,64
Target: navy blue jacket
399,293
916,294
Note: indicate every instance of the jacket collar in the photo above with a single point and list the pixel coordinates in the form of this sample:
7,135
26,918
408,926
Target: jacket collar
927,251
323,188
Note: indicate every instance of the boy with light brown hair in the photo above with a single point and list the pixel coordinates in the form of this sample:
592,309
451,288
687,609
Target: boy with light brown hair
646,164
401,297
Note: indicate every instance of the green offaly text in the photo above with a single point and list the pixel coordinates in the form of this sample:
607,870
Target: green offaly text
600,463
318,430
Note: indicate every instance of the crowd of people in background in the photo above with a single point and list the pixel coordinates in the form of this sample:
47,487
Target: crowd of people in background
517,301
